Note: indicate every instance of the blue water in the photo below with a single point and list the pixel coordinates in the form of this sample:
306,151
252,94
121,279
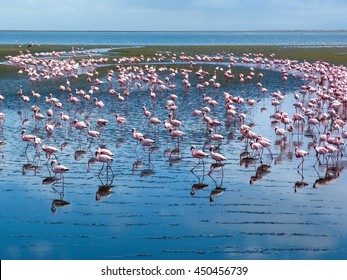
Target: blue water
336,38
149,211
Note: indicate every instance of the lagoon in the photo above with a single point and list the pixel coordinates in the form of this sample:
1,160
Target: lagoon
155,207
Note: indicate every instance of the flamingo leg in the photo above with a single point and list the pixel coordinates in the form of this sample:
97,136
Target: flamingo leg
195,166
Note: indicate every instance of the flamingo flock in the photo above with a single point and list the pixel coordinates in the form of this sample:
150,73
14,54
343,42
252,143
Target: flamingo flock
163,86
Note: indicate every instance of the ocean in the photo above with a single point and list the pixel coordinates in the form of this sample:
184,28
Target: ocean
305,38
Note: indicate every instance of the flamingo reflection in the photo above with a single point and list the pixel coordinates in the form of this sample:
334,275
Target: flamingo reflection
174,156
148,171
59,203
105,189
31,165
300,184
218,190
331,174
261,171
198,186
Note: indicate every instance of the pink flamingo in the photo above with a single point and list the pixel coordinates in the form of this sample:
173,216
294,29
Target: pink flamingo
146,112
104,158
300,154
173,121
216,156
147,142
319,151
257,147
175,133
59,169
49,150
120,120
93,133
198,154
27,137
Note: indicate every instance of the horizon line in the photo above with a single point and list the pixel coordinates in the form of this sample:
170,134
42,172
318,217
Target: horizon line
248,30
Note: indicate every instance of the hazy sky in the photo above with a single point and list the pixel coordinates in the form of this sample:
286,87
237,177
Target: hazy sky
169,15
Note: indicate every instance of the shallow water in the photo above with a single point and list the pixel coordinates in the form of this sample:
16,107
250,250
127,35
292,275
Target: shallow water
148,210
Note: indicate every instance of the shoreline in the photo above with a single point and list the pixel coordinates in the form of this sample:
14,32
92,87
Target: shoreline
328,53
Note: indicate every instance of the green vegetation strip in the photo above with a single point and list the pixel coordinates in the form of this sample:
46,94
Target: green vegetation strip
333,54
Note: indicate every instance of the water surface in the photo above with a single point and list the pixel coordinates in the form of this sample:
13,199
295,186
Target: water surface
148,210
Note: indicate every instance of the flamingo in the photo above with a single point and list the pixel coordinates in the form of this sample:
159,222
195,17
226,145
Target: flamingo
216,156
280,131
93,133
175,133
216,137
99,103
300,154
79,125
27,137
266,143
198,154
319,151
136,135
59,169
173,121
101,122
147,142
49,150
104,158
256,147
120,120
146,112
104,151
38,116
49,128
64,117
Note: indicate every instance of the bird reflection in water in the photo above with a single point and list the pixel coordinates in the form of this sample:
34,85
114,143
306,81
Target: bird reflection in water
198,186
79,154
105,189
218,190
246,159
64,145
148,171
60,202
2,145
175,156
137,164
103,192
2,138
331,174
50,181
300,184
261,171
31,165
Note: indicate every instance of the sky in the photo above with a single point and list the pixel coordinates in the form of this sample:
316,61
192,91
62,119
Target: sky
173,15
